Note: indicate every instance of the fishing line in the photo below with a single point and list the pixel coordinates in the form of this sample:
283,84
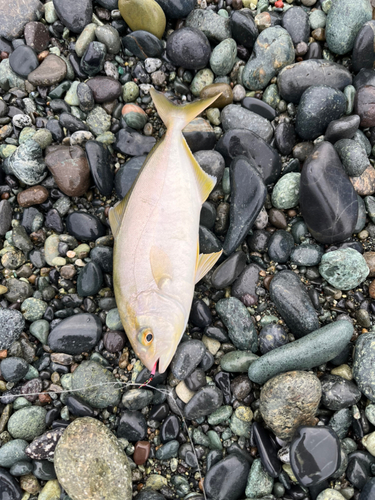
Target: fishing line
126,384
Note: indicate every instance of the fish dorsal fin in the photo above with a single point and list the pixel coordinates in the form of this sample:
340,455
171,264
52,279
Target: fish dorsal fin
205,262
205,182
161,266
116,214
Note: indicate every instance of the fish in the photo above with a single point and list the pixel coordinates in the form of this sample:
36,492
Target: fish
156,260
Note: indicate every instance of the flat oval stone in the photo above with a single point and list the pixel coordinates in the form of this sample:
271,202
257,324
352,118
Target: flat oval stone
229,270
312,350
90,280
237,319
267,450
280,246
204,402
259,107
51,71
143,44
226,480
244,29
223,57
188,356
132,143
84,226
241,142
74,15
189,48
217,88
9,487
27,423
296,22
144,15
343,128
13,369
32,196
43,447
294,79
344,268
99,162
344,20
363,365
327,199
23,61
104,457
319,105
293,303
76,334
104,88
363,50
132,426
278,399
353,157
234,117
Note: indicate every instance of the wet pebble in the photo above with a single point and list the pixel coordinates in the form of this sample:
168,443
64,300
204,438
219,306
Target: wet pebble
188,47
344,268
338,393
188,356
241,329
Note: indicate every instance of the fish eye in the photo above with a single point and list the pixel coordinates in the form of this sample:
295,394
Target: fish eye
146,336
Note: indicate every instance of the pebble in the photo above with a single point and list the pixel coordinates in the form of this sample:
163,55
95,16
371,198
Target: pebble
51,71
244,29
143,44
328,202
338,393
205,401
271,337
188,47
343,128
33,309
27,163
9,486
75,16
362,56
5,216
237,361
17,15
316,348
286,191
132,426
110,37
280,246
363,365
273,51
306,255
259,483
267,450
137,399
85,38
296,23
353,157
344,268
226,480
27,423
234,117
84,226
187,357
77,476
229,270
143,15
12,324
76,334
215,27
223,57
364,105
132,143
368,490
23,61
12,452
13,369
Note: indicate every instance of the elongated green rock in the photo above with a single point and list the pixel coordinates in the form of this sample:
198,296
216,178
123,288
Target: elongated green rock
312,350
363,365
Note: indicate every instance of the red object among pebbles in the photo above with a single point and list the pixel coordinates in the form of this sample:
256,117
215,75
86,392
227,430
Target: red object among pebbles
279,4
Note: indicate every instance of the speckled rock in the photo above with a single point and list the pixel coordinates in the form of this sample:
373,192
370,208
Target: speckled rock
353,156
344,268
363,365
290,400
215,27
234,117
27,423
105,470
273,51
285,194
223,57
11,325
27,163
15,14
259,482
312,350
345,18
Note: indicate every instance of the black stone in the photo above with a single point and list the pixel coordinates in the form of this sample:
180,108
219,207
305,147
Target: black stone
189,48
226,480
126,174
53,221
196,380
208,215
143,44
132,426
328,202
188,356
222,380
28,217
363,55
23,61
319,105
267,450
280,246
272,336
170,429
71,123
315,454
104,257
84,226
74,15
357,472
78,407
344,128
175,9
200,314
5,46
296,22
229,270
199,135
92,61
159,412
55,128
246,282
99,161
314,51
338,393
285,138
208,243
248,193
258,241
90,280
43,447
149,495
217,333
259,107
59,106
204,402
132,143
241,142
368,492
13,369
293,303
294,79
9,487
75,61
244,29
76,334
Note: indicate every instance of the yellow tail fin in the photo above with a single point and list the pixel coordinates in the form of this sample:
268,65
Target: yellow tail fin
179,116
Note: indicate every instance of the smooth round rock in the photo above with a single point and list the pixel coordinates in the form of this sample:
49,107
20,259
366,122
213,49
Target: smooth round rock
363,52
90,280
36,36
364,105
84,226
187,357
225,274
234,117
353,157
27,423
244,29
271,337
338,393
104,88
13,369
226,480
280,246
223,57
144,15
296,22
143,44
51,71
286,191
104,459
98,159
175,9
12,324
189,48
126,174
344,128
9,487
12,452
132,426
76,334
204,402
23,61
344,268
27,163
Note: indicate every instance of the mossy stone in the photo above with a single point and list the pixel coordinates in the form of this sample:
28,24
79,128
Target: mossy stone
144,15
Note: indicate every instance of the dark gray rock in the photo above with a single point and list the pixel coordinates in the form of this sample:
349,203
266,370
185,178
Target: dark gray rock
74,15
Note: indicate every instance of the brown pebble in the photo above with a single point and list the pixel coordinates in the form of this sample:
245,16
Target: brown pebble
267,281
68,272
370,261
364,185
45,398
34,195
277,218
114,340
291,213
141,452
263,20
371,289
5,196
302,150
38,237
214,89
319,34
32,279
364,105
3,354
124,360
43,55
4,55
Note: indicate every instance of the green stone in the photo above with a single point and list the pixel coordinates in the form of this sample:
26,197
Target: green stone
259,483
43,137
71,97
82,250
240,422
85,38
136,120
60,90
130,92
168,450
200,438
98,121
349,92
370,207
13,452
285,194
268,319
237,319
33,309
314,349
344,269
370,413
216,28
223,57
51,249
21,402
106,138
110,37
31,373
271,95
7,150
8,78
203,78
214,440
220,415
26,133
360,138
317,19
237,361
113,320
50,491
341,421
101,390
50,13
27,423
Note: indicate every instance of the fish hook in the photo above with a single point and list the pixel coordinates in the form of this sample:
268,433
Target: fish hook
152,375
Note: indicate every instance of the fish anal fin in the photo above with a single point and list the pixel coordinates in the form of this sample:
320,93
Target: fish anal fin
205,182
161,266
116,214
206,262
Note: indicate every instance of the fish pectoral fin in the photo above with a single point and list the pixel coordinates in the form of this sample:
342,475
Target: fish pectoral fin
161,266
205,182
116,215
205,262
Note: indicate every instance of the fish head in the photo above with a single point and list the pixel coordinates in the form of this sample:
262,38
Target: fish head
160,324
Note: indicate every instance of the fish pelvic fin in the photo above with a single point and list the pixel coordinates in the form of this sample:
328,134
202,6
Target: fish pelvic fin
179,116
116,215
205,262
